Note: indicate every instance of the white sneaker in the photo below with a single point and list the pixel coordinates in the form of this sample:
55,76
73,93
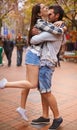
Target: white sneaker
22,113
3,83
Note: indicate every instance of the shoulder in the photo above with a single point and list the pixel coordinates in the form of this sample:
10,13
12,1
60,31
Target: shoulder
40,21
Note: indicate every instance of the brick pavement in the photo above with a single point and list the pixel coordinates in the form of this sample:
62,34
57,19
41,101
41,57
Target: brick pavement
64,88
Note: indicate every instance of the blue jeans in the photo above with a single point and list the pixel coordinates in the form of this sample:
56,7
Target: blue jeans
45,78
19,56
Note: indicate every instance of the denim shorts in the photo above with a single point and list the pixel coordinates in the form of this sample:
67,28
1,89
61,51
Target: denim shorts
45,79
32,58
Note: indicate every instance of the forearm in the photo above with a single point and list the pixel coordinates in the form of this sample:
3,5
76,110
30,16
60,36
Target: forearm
42,37
49,27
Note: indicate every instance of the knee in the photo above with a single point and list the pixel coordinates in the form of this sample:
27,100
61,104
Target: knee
30,84
24,91
34,85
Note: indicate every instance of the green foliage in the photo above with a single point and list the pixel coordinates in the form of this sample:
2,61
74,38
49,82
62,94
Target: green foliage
5,8
70,8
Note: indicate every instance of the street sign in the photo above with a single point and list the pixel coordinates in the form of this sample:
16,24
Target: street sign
5,31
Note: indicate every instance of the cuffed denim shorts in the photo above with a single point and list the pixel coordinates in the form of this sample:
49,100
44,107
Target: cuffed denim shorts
32,58
45,79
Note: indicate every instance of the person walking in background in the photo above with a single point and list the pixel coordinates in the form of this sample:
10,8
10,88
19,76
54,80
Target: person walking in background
1,56
8,48
1,52
19,44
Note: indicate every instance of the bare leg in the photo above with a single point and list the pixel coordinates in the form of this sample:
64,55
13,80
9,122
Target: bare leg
31,76
45,112
49,97
45,107
31,83
24,95
53,106
19,84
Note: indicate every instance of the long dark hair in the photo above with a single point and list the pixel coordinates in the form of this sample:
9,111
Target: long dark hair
34,18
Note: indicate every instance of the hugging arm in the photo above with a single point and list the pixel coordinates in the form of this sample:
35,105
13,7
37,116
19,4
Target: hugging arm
49,27
42,37
49,32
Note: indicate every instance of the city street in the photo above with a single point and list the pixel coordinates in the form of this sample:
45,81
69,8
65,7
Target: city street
64,87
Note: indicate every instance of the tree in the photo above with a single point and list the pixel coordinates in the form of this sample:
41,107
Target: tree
24,13
6,6
70,8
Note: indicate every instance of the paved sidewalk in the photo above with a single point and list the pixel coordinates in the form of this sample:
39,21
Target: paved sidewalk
64,88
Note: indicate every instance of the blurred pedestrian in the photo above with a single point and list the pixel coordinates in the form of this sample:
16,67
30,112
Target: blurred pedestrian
8,48
19,44
1,52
